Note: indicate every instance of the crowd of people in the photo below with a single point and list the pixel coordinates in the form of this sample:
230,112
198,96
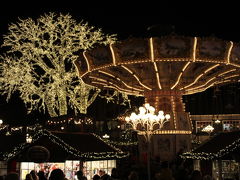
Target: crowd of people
165,172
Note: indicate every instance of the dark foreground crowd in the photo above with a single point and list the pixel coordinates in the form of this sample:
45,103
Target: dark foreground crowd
164,173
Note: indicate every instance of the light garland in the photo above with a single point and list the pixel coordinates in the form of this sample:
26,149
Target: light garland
121,143
196,142
75,152
210,156
19,128
85,121
116,94
3,127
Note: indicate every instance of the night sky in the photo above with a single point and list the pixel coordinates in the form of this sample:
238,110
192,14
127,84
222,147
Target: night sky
135,20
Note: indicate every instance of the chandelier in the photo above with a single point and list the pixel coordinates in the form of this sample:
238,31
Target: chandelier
147,122
208,129
217,121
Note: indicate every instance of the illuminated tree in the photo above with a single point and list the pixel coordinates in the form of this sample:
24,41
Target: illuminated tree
39,63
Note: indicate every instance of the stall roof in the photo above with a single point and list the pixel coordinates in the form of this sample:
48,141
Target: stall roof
61,146
219,146
9,142
85,142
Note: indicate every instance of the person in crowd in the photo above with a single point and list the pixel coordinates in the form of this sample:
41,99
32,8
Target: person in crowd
207,177
182,171
114,174
181,174
133,175
12,176
28,177
96,177
34,175
196,175
80,175
57,174
41,175
103,175
165,172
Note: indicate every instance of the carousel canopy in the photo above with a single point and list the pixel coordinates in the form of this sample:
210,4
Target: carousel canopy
172,63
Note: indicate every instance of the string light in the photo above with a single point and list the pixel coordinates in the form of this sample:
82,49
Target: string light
209,156
71,150
116,95
121,143
3,127
19,128
86,121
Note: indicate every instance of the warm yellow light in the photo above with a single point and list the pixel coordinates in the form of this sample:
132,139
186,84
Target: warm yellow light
87,61
151,49
197,78
180,75
186,65
28,138
212,67
157,76
194,49
217,121
198,87
229,52
208,129
134,75
236,75
113,55
147,120
128,86
105,136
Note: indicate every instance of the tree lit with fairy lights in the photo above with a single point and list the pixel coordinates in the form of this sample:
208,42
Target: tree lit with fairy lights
39,63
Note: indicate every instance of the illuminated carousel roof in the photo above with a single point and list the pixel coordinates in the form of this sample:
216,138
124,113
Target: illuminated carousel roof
183,64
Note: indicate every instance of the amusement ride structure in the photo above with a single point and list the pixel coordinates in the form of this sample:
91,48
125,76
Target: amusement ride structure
163,69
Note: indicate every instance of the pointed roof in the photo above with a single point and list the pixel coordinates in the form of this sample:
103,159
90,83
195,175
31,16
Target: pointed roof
219,146
62,146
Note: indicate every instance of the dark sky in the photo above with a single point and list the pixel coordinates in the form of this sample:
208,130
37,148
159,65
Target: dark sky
199,19
133,20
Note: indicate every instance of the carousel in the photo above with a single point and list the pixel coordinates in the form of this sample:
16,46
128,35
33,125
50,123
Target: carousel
163,69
